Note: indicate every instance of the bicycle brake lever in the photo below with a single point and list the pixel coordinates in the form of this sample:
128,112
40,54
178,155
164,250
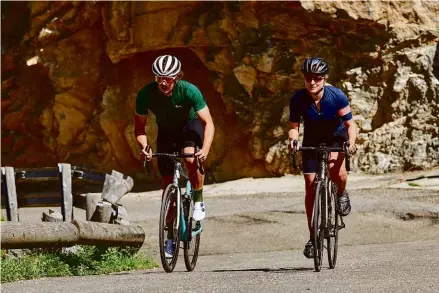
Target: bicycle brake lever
347,156
199,165
294,153
294,159
146,165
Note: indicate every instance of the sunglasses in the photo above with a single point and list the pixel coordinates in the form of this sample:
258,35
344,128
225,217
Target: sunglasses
316,78
164,80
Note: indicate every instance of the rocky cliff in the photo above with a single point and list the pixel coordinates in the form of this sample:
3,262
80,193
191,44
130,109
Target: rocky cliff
71,71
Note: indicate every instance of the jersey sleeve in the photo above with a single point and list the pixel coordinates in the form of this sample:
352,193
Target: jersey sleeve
142,102
196,98
344,109
295,108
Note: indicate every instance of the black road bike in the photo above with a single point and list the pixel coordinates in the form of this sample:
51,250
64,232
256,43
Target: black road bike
326,220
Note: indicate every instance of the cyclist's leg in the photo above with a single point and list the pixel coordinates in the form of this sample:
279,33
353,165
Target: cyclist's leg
309,166
339,176
165,144
192,136
337,170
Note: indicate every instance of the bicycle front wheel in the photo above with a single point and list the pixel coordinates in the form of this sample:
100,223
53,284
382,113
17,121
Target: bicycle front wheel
168,227
318,226
192,244
333,225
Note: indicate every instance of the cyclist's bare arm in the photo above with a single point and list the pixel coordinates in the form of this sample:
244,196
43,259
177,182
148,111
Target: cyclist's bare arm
209,130
139,129
351,128
293,133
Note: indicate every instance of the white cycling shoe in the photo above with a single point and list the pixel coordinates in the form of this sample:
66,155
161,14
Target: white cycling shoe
199,211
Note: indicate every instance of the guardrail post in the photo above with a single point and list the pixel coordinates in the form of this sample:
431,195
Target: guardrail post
10,192
65,177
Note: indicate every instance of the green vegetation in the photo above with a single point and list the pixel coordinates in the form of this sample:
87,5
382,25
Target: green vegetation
86,261
414,184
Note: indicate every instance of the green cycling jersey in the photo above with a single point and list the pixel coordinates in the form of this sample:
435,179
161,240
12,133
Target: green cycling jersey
174,112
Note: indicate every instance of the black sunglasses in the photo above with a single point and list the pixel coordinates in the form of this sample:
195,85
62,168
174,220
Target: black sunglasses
310,78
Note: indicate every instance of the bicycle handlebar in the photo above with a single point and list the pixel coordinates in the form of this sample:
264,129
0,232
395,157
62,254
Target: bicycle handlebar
344,149
328,149
177,155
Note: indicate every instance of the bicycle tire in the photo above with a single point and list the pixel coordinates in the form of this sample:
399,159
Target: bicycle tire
190,256
170,193
333,225
318,232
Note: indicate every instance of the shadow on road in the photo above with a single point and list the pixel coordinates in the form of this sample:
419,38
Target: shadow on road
267,270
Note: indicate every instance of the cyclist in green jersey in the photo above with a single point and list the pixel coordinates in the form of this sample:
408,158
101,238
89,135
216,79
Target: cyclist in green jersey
183,121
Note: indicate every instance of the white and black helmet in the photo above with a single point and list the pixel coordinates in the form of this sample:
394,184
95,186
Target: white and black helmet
315,65
166,65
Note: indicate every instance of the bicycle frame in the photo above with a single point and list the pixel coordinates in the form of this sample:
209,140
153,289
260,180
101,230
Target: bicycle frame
178,172
323,176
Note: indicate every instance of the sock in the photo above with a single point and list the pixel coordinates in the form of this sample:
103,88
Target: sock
198,195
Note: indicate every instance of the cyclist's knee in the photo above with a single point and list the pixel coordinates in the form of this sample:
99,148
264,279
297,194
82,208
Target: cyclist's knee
309,183
340,176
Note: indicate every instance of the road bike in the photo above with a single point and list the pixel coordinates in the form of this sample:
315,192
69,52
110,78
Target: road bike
176,214
326,220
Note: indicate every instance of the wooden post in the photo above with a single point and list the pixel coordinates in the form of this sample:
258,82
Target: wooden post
110,181
91,201
116,174
121,215
65,175
38,234
92,233
8,177
115,192
103,213
52,216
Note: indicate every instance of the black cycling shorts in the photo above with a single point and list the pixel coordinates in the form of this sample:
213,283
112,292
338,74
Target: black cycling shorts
191,135
309,158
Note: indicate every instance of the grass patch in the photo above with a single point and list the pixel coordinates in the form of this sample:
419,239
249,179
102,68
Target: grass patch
88,260
414,184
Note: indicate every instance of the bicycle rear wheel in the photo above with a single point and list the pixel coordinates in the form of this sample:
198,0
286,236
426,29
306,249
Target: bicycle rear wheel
192,244
333,225
169,211
318,226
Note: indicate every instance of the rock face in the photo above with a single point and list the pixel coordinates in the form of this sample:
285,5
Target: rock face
71,72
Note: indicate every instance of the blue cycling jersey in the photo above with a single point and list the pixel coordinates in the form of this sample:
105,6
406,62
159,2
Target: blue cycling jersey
325,125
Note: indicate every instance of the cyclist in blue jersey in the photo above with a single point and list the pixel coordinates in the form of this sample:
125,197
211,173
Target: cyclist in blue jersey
327,119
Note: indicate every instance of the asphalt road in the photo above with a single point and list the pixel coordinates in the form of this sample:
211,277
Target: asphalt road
254,242
398,267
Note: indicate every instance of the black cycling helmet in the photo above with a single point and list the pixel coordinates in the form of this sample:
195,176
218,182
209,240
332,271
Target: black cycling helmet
315,65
